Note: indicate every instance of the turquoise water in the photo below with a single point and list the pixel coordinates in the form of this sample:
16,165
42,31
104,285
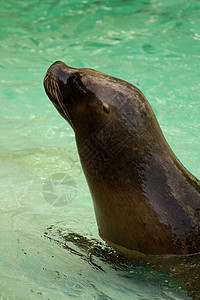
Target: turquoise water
152,44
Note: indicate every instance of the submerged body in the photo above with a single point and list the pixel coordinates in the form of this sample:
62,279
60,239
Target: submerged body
144,199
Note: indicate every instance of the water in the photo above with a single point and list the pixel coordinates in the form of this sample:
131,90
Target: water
152,44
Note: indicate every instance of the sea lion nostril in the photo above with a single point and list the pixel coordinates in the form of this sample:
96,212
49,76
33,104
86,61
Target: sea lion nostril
57,70
106,108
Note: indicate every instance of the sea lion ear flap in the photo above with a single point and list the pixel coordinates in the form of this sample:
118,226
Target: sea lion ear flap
106,108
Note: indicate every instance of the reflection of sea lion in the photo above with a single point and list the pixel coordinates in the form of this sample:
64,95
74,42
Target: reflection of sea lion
144,199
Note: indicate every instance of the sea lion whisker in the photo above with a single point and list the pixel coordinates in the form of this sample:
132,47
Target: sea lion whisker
53,89
49,87
46,77
46,84
58,96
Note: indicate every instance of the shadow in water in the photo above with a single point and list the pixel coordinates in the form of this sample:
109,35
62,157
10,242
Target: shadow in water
185,269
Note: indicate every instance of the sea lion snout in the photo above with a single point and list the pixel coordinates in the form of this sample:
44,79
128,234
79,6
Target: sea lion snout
57,86
70,90
63,78
58,71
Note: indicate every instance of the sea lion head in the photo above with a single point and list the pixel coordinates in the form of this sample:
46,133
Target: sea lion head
113,122
71,90
88,99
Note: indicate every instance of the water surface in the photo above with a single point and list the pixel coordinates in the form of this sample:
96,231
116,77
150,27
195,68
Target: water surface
152,44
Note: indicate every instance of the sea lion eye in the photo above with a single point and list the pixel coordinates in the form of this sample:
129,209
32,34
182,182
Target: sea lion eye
106,108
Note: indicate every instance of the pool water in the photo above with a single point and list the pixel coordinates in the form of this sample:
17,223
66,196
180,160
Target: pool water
155,45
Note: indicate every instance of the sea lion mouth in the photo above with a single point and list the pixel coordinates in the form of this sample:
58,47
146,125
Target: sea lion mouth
53,92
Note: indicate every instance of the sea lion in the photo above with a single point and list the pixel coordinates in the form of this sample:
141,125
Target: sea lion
144,199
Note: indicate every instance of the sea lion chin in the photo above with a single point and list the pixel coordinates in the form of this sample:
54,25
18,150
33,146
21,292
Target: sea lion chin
144,199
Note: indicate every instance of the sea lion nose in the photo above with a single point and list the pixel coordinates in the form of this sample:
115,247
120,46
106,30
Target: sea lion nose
58,62
59,71
58,65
